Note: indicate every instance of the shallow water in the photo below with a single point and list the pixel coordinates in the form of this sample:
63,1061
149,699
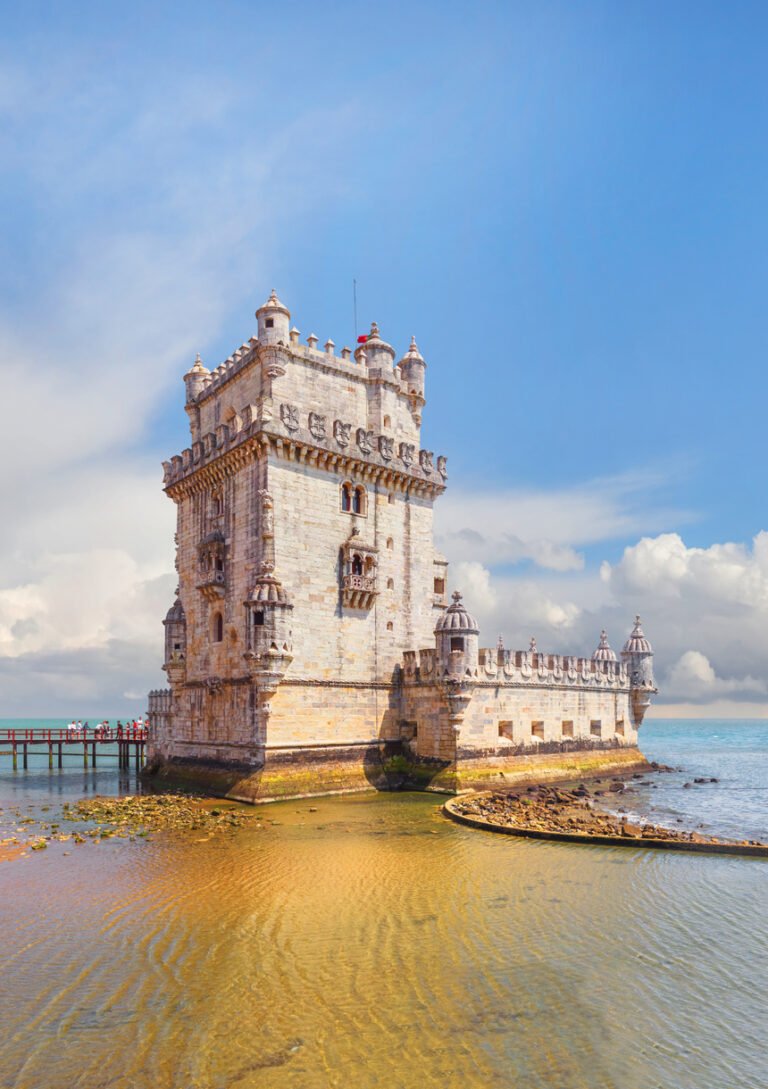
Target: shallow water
372,943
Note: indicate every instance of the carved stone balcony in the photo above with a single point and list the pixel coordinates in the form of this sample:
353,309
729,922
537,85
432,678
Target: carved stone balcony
359,591
212,585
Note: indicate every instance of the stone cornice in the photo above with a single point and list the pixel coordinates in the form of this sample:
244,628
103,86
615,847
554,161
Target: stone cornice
221,455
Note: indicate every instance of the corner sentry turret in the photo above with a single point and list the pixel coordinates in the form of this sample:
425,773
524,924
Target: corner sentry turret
637,654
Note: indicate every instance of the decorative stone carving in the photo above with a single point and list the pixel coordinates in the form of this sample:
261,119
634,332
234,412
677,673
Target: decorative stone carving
365,440
213,684
317,425
386,447
425,461
267,512
407,452
289,414
442,466
342,432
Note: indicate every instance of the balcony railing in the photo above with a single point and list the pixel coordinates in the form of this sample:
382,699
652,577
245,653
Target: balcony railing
360,582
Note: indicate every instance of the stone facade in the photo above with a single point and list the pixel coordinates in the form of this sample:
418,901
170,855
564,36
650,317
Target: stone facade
311,635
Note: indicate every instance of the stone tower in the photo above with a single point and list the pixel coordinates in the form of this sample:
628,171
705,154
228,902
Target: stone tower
304,551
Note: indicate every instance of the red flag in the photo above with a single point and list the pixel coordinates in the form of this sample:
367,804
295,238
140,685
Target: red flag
361,340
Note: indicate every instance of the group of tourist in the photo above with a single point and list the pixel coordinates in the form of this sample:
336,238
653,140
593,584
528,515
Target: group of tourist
135,730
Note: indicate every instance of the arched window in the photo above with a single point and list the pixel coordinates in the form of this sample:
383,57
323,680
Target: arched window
217,628
390,543
357,501
390,626
346,497
387,421
390,584
357,565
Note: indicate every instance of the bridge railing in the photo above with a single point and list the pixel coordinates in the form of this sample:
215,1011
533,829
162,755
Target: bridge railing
106,734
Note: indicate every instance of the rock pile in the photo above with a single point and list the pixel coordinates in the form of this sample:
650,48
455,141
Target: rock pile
548,809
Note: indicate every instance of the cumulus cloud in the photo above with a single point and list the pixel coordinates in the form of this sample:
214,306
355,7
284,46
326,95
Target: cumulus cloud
705,609
693,678
549,527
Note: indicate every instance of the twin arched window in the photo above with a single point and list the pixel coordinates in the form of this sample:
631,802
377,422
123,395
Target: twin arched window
354,499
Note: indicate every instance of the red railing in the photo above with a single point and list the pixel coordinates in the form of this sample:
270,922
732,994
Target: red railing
108,734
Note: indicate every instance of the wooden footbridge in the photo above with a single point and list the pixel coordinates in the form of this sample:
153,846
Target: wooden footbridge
125,745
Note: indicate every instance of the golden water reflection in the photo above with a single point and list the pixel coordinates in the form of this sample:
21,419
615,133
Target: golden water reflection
372,943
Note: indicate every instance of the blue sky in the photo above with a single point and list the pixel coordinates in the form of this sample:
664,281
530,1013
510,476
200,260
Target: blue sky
565,202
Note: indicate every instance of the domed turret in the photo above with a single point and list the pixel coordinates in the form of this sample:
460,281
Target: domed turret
269,640
604,652
637,654
175,625
377,352
195,379
456,640
413,369
274,321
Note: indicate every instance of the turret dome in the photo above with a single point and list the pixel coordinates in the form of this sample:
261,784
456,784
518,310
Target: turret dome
604,652
377,351
273,304
176,613
637,643
457,619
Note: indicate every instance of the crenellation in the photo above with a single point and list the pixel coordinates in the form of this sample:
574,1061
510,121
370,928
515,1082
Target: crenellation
308,577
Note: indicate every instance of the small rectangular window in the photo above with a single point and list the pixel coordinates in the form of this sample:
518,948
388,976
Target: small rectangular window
567,727
457,643
440,586
505,730
620,726
537,729
270,323
596,727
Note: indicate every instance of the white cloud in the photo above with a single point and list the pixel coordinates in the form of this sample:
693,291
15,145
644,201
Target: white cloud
692,677
548,527
125,297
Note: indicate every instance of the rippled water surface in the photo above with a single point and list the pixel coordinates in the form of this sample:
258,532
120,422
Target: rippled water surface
372,943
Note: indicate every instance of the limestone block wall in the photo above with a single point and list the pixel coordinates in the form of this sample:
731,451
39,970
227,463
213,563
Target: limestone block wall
317,714
332,641
210,724
235,498
506,717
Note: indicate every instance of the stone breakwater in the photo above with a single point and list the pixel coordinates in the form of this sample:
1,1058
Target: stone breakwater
575,814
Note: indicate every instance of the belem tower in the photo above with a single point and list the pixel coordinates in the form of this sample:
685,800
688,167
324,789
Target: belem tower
313,645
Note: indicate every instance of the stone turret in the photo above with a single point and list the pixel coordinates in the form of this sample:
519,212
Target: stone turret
413,369
175,625
195,379
604,652
269,640
268,636
378,354
456,641
637,654
274,321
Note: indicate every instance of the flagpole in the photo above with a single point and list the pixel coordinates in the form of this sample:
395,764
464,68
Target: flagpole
354,304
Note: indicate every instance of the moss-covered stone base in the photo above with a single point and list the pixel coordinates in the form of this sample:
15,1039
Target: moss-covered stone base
284,774
497,771
307,773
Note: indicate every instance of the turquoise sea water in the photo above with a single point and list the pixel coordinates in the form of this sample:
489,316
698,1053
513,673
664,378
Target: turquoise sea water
366,941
